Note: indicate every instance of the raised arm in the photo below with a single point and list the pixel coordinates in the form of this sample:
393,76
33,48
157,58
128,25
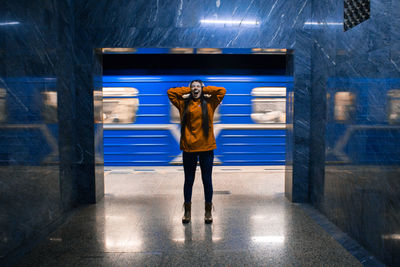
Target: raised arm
217,94
175,95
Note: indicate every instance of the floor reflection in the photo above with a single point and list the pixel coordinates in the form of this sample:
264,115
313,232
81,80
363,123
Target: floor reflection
139,223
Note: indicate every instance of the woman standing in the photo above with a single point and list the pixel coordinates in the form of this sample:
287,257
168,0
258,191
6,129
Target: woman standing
196,105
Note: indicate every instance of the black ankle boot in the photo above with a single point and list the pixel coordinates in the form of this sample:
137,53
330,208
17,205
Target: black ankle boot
208,216
188,210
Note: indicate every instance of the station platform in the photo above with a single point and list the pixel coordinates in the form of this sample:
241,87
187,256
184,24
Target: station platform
138,223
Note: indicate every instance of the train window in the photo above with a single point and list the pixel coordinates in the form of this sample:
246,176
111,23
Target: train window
175,117
97,106
174,114
3,110
344,106
209,51
268,104
49,106
120,104
181,50
394,106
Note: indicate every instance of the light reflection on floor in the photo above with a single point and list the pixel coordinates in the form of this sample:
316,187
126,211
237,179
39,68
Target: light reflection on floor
139,223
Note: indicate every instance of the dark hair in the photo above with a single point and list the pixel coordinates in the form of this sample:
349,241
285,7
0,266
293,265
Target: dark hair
204,111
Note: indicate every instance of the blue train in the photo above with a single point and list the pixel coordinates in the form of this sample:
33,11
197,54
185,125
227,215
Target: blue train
363,121
141,127
28,121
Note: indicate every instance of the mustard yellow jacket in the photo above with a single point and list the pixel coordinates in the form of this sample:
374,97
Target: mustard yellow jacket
194,140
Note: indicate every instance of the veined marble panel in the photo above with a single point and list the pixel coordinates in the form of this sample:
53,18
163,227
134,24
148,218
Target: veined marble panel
35,82
357,72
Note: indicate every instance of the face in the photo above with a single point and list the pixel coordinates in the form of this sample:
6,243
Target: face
196,90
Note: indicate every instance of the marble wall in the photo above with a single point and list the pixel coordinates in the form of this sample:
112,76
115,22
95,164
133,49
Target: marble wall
30,189
355,131
47,138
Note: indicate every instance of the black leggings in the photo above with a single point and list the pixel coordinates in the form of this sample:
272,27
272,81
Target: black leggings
206,159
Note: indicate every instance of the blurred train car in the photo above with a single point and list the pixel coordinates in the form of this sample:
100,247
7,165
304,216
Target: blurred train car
141,127
28,120
363,121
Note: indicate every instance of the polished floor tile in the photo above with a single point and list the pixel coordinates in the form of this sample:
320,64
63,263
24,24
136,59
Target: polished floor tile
139,224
